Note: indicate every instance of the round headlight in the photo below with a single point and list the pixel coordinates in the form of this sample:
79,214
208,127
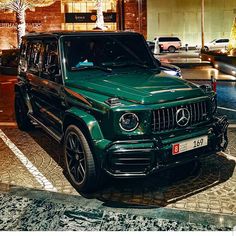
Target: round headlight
129,122
213,104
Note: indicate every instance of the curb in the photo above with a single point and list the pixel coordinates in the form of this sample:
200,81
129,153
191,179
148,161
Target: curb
191,65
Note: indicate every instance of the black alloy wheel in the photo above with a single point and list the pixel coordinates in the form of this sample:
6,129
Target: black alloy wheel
79,162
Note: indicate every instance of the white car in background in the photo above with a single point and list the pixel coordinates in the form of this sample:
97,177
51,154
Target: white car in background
216,44
167,43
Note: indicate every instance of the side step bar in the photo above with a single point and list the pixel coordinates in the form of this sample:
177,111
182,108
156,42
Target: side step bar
57,137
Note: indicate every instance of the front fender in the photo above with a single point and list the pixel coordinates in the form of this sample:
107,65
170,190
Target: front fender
89,123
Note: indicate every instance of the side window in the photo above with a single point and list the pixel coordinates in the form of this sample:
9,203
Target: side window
51,65
225,40
34,54
176,39
23,49
23,56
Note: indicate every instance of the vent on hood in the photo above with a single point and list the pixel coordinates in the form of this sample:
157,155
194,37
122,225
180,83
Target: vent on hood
113,102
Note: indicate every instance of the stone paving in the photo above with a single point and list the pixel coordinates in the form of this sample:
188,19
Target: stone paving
42,151
209,188
31,213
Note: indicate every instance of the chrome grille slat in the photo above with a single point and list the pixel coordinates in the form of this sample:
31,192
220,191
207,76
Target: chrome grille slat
164,119
205,108
202,111
154,121
168,120
159,120
195,113
191,114
198,112
173,118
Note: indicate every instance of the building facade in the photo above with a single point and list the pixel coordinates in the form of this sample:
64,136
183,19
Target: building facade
75,15
152,18
182,18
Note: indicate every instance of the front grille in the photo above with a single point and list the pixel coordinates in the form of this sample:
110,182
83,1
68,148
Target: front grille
165,119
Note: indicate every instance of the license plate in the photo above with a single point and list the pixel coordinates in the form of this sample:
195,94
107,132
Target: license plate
189,145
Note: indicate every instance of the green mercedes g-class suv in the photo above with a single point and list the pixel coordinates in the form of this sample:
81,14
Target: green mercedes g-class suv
103,96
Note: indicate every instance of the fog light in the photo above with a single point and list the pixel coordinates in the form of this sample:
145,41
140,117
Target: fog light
129,122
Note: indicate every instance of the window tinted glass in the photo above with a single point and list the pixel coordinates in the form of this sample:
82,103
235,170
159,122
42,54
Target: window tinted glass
105,50
222,41
51,65
34,55
225,40
168,39
23,49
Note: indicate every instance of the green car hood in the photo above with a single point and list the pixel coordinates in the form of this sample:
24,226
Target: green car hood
141,87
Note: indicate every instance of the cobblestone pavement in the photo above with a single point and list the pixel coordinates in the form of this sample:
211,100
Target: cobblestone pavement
209,187
42,151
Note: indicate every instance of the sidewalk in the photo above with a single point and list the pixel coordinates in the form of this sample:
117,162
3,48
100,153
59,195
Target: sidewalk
183,59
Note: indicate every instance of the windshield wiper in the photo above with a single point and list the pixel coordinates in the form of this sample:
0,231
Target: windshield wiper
106,69
131,64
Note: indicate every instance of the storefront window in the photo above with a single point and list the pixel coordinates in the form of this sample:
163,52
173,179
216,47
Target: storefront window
81,15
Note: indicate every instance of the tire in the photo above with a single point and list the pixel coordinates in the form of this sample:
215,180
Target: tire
80,168
21,110
171,49
206,48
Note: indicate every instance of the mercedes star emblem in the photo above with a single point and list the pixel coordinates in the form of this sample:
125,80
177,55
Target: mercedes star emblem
182,117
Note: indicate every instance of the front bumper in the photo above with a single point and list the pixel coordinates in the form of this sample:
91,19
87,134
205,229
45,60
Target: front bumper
139,158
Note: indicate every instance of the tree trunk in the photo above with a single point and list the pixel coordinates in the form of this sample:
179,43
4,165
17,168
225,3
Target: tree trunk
100,18
20,24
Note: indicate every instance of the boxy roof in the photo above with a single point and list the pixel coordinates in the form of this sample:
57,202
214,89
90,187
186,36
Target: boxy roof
77,33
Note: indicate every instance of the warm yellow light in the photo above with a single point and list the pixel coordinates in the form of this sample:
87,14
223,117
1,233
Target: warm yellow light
233,72
216,66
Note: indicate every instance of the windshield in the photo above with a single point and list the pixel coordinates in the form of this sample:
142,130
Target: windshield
106,51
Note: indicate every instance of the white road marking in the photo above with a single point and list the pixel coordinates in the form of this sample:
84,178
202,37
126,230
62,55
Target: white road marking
40,178
227,109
